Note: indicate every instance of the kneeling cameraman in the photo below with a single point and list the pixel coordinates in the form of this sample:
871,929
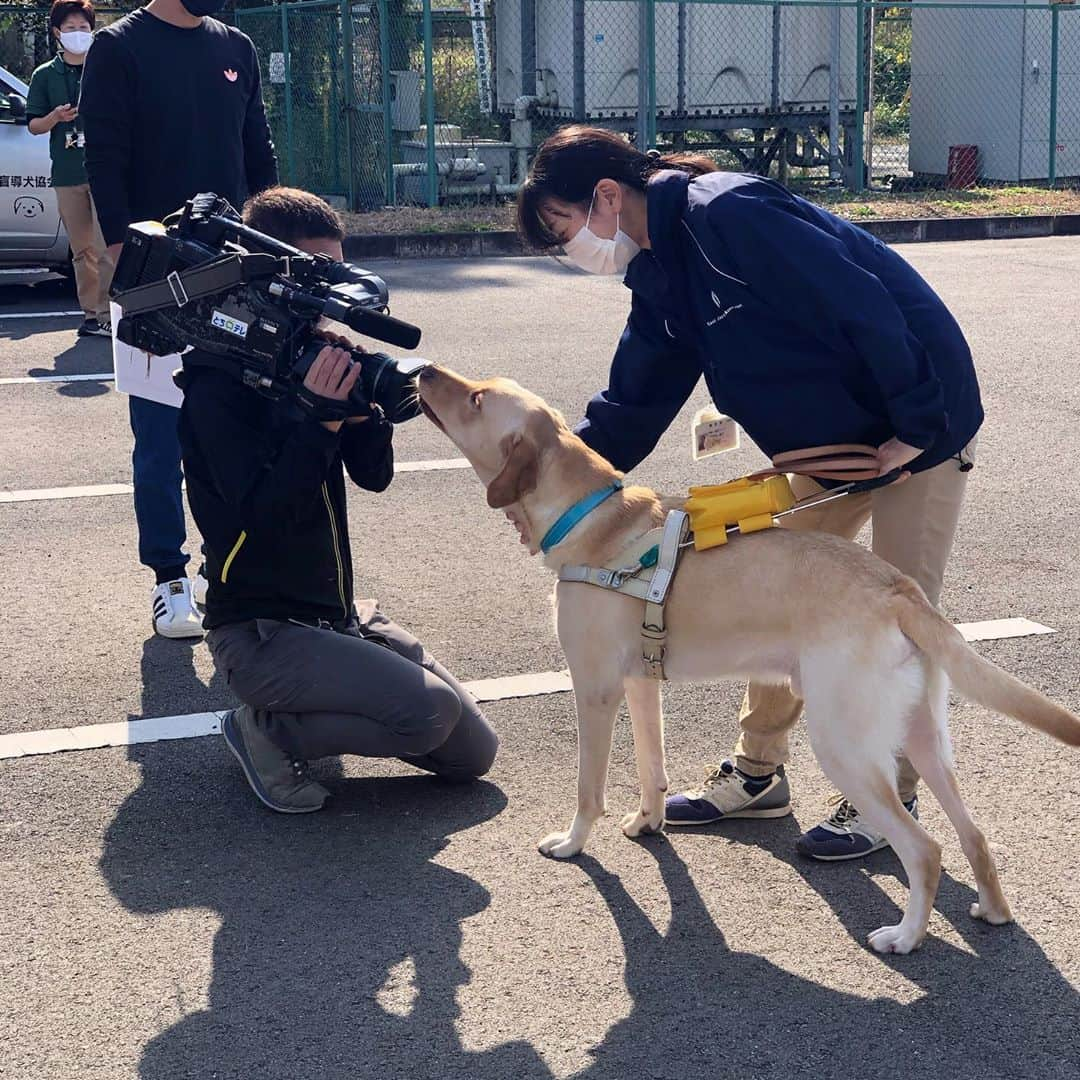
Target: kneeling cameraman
317,674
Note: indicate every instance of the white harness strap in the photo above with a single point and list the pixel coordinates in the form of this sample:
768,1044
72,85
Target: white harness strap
653,590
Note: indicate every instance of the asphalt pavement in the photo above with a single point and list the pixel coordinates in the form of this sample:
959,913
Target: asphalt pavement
157,922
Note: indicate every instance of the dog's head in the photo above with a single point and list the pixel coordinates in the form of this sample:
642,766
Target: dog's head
501,428
533,466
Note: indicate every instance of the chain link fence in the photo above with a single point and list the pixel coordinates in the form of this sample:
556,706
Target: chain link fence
392,102
25,40
384,102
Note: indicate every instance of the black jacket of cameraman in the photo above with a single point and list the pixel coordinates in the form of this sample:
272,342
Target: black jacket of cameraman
267,490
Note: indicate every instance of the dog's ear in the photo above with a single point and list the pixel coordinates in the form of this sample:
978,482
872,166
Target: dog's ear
519,472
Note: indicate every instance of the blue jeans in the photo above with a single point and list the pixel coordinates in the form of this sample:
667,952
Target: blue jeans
159,503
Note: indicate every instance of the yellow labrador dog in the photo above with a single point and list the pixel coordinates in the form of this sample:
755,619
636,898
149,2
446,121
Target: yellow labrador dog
862,645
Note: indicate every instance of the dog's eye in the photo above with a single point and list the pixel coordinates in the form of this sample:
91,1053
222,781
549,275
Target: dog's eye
475,398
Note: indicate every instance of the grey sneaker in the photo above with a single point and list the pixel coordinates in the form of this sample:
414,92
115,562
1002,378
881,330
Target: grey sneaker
280,781
729,793
844,835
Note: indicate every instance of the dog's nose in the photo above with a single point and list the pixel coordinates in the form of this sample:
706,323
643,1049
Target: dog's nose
428,373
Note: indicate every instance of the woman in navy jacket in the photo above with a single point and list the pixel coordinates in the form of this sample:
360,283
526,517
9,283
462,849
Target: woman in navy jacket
809,332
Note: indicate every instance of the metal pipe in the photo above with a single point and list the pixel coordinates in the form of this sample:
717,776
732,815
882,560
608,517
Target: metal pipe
680,92
834,96
528,47
521,132
468,189
870,102
387,118
579,60
288,91
776,17
1054,37
642,77
349,110
463,168
860,97
429,106
650,56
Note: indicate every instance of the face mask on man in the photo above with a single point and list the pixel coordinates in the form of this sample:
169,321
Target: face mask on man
203,7
76,42
594,254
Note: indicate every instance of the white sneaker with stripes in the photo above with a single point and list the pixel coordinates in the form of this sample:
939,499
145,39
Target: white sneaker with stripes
172,610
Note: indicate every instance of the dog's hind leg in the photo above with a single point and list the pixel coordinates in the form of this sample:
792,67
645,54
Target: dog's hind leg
855,722
928,749
647,716
597,706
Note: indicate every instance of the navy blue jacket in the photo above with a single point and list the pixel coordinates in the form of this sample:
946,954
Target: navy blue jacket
808,330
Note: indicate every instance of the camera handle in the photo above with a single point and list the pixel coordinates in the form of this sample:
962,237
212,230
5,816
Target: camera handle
208,279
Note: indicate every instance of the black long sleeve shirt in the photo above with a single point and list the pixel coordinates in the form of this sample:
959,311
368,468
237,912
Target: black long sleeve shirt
267,490
168,113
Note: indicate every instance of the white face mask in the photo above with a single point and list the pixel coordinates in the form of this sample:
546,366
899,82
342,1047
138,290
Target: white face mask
76,42
596,255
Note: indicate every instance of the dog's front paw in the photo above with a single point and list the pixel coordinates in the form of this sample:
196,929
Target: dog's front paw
643,823
895,939
995,916
560,845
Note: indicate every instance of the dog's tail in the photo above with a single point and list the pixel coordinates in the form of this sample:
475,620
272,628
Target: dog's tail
974,677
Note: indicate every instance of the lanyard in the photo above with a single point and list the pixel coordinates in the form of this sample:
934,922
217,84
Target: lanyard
74,90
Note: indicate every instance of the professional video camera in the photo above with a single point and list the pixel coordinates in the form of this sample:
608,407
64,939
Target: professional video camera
249,304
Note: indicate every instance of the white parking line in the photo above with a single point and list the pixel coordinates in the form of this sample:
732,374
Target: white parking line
105,376
39,314
194,725
437,465
91,491
96,491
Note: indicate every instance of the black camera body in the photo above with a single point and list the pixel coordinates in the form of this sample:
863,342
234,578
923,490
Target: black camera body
249,305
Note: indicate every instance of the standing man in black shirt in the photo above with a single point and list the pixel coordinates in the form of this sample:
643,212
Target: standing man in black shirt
171,105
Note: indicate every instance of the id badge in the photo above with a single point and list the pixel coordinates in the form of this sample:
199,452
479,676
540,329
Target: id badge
712,433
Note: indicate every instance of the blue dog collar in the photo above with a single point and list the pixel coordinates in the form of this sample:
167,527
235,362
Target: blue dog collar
575,515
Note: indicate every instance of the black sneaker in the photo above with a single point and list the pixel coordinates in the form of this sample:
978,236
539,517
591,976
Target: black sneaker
94,328
280,781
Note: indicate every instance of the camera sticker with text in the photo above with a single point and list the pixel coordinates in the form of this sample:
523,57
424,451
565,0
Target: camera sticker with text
229,324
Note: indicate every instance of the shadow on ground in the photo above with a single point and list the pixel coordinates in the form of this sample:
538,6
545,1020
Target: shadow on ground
316,911
1000,1010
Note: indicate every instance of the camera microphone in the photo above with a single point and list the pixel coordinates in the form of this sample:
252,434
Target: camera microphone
382,327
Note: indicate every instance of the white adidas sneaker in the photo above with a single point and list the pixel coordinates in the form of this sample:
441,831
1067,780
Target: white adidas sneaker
199,588
172,610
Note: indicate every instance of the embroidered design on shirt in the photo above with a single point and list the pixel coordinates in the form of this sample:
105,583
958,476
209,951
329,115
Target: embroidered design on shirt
231,75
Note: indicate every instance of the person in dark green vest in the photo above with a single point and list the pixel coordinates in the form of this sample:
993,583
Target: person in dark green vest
53,108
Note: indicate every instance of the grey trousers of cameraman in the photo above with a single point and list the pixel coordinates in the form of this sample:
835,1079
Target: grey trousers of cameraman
372,690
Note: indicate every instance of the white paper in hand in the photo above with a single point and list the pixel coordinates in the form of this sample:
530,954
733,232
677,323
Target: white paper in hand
141,374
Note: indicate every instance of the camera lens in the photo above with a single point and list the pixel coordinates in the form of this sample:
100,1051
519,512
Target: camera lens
391,385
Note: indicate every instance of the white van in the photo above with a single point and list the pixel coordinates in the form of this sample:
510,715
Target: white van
31,233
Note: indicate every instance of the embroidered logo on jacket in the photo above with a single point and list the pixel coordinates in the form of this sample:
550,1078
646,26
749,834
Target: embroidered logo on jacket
724,311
